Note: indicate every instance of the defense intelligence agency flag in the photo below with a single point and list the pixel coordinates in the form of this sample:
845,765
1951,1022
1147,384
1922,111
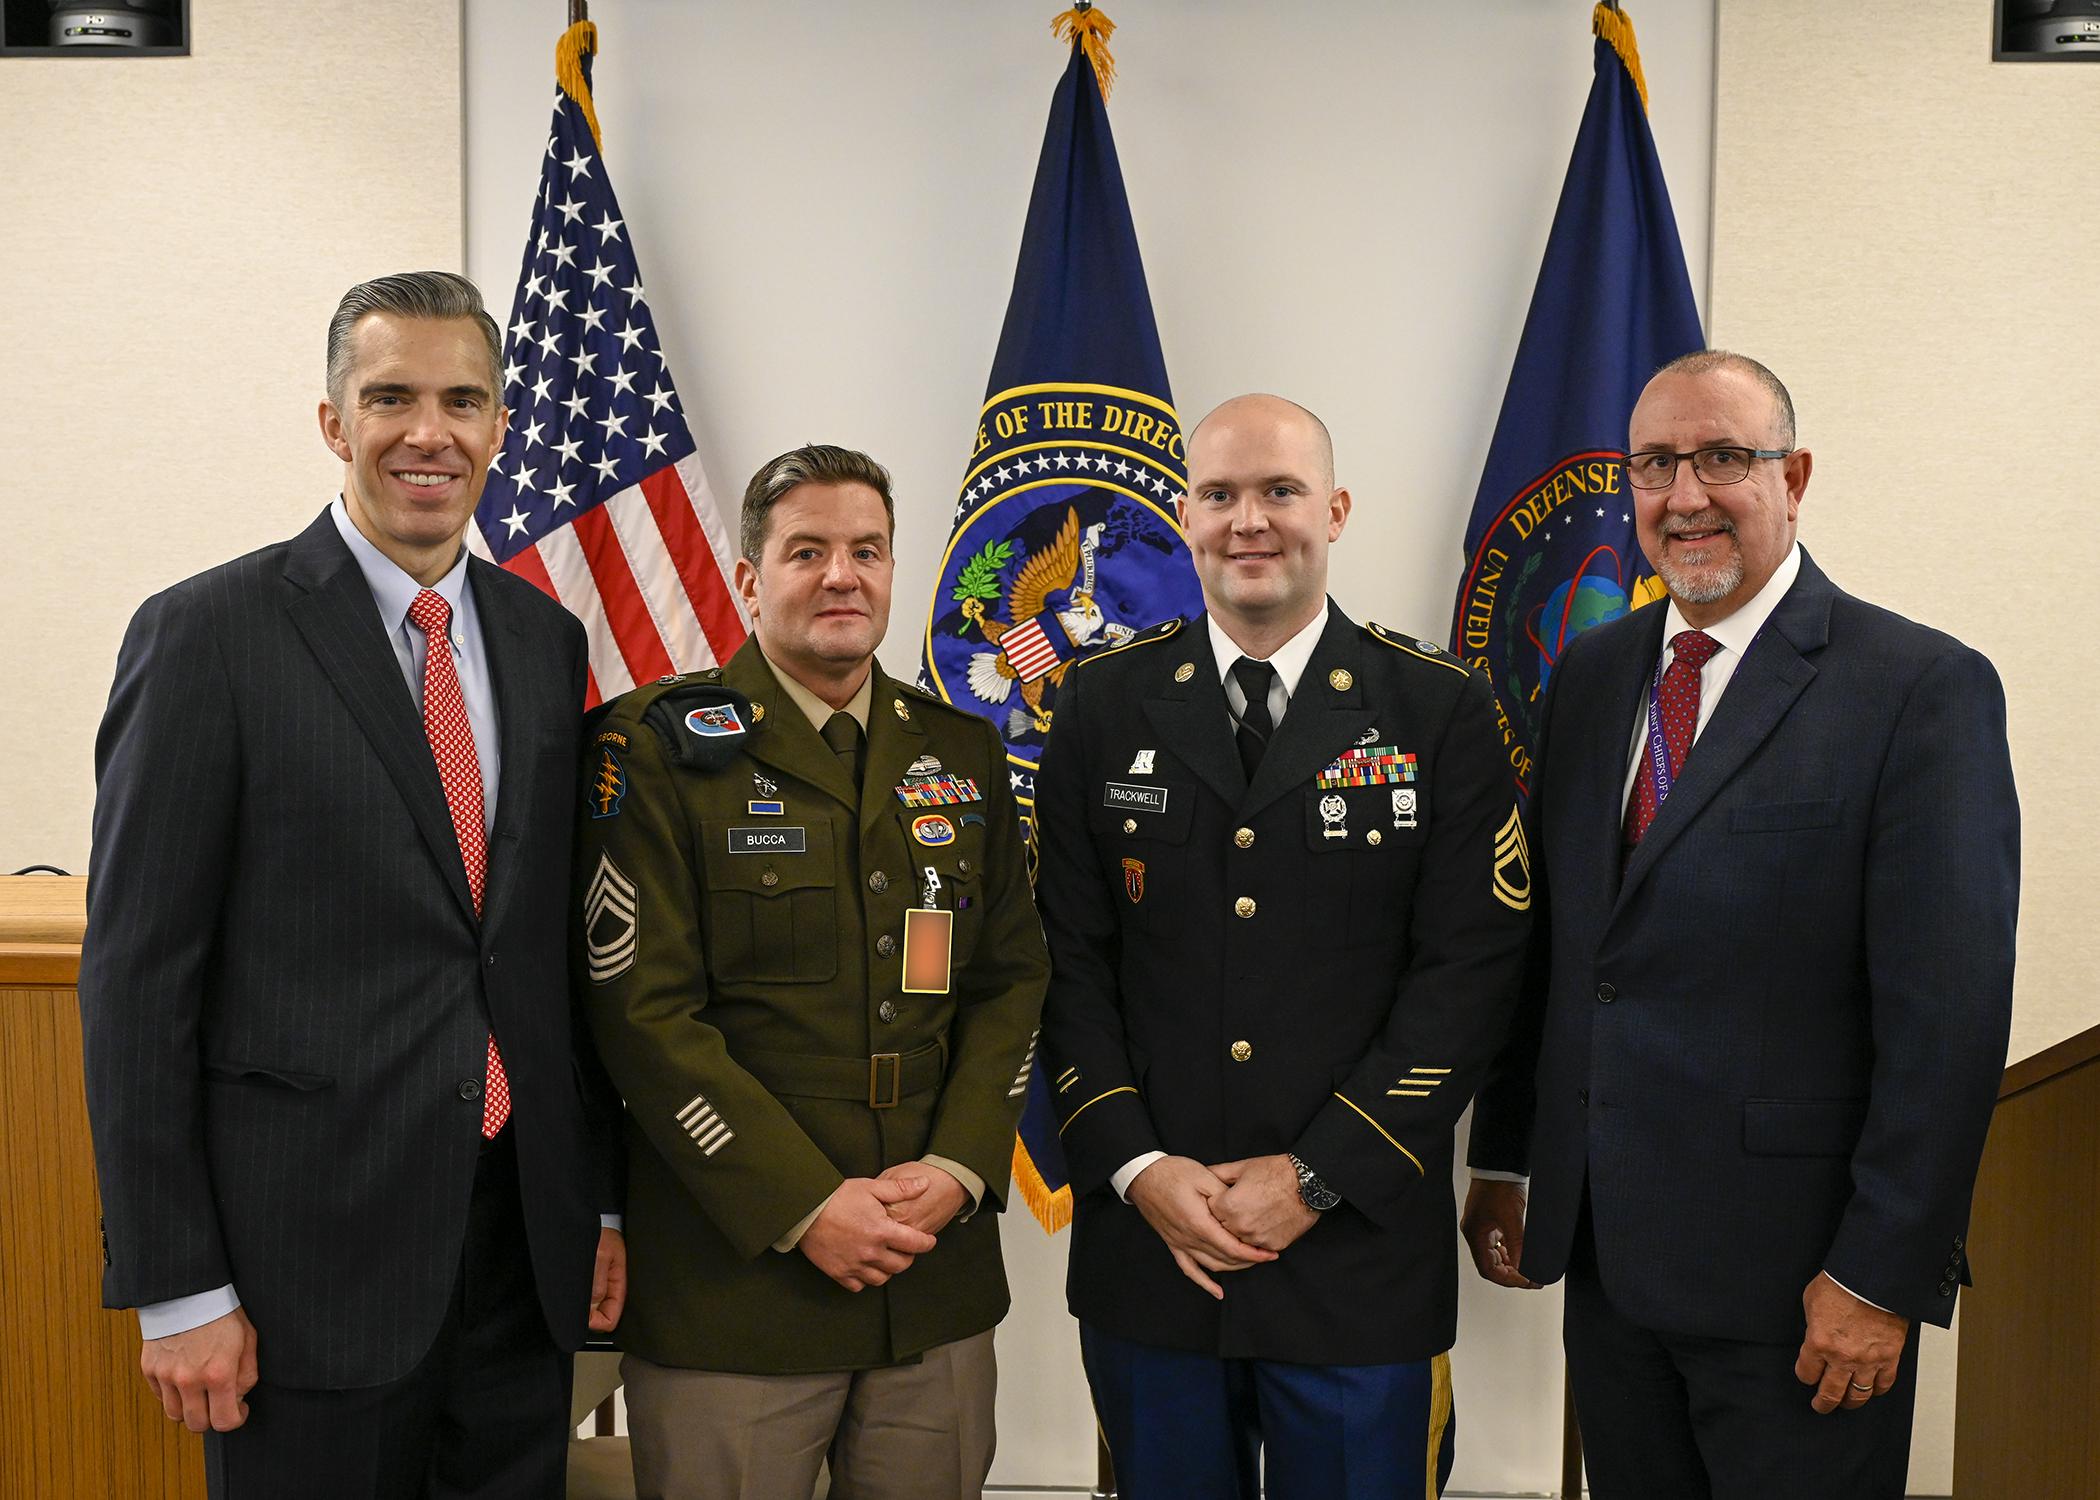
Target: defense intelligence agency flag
1550,548
1064,541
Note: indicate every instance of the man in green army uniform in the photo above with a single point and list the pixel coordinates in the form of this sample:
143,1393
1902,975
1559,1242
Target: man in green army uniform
814,970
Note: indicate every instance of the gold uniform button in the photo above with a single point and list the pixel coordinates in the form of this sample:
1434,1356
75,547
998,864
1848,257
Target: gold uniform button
962,867
887,1011
1244,906
1130,825
1340,680
758,710
771,877
1374,837
878,882
1244,838
1241,1051
885,945
1185,671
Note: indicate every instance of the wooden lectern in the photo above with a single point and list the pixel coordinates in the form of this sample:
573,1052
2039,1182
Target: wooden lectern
75,1417
2028,1363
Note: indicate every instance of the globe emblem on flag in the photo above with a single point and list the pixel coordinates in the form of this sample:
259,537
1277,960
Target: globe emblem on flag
1065,544
1589,598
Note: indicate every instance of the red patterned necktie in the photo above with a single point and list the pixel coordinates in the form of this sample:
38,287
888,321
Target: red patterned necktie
459,768
1678,706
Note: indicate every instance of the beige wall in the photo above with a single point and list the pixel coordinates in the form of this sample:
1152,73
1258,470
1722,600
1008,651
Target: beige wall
1905,231
175,233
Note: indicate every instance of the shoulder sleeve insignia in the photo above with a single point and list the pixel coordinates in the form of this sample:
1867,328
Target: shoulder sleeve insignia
701,725
1420,649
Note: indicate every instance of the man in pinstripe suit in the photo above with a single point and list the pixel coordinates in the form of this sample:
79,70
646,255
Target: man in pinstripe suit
353,1148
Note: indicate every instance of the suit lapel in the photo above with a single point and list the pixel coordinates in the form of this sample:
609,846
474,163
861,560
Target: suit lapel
895,740
1323,719
781,735
1192,719
1771,675
519,704
331,607
1595,730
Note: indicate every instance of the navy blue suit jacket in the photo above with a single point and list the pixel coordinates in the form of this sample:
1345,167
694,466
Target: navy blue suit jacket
1772,1045
285,992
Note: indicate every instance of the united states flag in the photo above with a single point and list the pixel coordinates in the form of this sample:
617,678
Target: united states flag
597,494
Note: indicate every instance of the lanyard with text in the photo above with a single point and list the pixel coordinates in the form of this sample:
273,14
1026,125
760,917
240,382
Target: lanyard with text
1658,747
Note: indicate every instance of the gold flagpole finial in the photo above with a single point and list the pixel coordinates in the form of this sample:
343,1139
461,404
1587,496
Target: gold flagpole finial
1091,29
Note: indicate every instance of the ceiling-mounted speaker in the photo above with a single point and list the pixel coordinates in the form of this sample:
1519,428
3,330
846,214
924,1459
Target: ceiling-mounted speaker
143,23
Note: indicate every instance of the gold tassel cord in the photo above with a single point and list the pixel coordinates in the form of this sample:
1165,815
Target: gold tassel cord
1091,29
1616,27
577,43
1053,1210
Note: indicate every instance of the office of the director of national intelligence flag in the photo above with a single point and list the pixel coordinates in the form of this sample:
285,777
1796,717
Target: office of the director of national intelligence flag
1064,541
1550,548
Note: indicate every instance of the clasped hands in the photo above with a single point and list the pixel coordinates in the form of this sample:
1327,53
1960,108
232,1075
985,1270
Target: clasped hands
873,1228
1222,1218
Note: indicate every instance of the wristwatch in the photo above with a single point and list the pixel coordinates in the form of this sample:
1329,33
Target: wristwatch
1314,1193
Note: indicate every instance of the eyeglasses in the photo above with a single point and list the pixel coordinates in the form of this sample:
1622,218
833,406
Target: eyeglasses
1658,470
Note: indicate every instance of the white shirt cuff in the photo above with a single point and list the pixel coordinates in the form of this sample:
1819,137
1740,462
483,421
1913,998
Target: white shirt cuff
613,1221
1125,1175
1856,1296
793,1237
1482,1174
159,1320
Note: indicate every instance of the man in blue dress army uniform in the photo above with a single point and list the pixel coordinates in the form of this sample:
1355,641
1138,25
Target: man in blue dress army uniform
808,952
1286,892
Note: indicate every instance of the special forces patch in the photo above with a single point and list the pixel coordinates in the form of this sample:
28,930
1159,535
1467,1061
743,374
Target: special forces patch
1134,880
702,725
714,720
608,786
611,922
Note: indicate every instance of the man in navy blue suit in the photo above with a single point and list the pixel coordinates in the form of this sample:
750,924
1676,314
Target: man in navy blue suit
1761,1035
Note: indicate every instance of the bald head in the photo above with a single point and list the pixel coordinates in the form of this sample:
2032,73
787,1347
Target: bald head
1272,417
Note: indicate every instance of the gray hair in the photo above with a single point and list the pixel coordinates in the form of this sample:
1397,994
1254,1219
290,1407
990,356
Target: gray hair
1706,361
410,294
812,463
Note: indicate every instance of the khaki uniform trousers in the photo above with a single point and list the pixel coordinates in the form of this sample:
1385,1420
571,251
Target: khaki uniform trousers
920,1431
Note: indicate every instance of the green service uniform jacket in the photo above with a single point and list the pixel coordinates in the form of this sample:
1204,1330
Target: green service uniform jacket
1323,963
740,944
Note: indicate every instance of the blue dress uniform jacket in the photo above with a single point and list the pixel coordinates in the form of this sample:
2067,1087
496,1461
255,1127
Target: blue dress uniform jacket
1288,966
741,917
1773,1046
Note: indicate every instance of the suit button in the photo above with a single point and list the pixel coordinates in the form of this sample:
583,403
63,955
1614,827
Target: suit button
1582,1097
1244,906
1946,1289
1244,838
1957,1242
1130,825
1241,1051
885,945
878,882
771,877
490,961
887,1011
470,1088
1606,994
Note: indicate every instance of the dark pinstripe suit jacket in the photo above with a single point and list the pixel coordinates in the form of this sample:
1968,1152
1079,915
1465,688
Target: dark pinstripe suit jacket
1773,1046
285,993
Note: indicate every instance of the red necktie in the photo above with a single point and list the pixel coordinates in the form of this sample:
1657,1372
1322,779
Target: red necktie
1678,708
459,768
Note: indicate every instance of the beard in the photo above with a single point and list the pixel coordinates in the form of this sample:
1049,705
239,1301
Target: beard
1706,585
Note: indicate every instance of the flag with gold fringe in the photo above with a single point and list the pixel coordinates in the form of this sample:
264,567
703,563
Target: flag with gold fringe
1550,547
1064,539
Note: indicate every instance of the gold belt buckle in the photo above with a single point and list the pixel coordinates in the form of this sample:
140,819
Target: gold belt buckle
896,1085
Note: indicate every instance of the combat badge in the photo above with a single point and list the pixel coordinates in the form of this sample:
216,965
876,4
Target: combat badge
608,786
611,922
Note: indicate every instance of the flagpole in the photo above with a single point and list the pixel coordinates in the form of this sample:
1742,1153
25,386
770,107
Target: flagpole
579,11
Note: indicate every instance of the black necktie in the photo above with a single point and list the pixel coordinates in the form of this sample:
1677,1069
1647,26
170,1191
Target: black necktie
842,734
1255,725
